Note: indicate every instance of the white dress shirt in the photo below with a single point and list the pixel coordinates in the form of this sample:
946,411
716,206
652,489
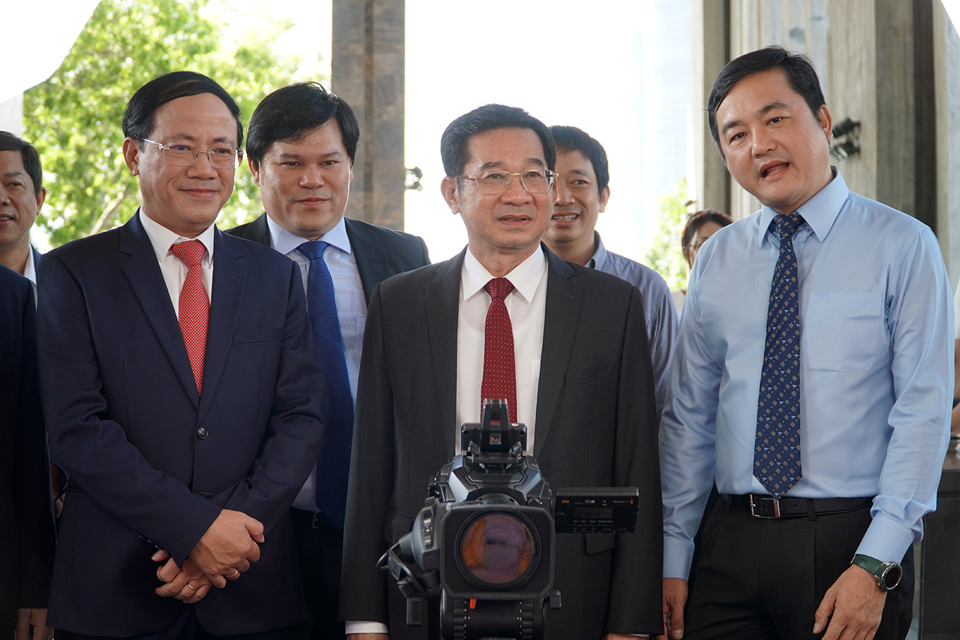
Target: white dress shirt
173,269
526,305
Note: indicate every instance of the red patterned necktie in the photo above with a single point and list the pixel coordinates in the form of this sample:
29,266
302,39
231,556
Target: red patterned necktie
194,307
499,361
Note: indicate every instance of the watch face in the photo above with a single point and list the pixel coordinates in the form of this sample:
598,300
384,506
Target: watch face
891,576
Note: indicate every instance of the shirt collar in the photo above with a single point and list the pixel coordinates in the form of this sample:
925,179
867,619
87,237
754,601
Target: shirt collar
285,242
162,238
525,277
30,269
819,212
599,256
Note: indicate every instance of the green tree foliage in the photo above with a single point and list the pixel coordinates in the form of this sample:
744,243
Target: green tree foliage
74,118
665,255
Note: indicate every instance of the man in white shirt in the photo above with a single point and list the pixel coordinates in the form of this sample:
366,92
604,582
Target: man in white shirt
581,383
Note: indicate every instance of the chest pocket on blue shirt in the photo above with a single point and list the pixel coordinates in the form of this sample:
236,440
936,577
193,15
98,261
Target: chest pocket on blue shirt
839,331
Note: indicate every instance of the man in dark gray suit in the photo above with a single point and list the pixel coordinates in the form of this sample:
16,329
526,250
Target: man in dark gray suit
582,385
301,148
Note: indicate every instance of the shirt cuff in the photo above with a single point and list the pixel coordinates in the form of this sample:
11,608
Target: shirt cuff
886,539
677,558
366,627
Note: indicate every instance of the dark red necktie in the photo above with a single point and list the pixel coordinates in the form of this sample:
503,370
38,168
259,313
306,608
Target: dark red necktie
499,361
194,307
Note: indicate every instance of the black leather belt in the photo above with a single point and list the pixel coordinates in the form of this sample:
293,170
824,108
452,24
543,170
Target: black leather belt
764,506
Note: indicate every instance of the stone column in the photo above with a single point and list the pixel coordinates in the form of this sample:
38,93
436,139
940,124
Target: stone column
367,70
711,50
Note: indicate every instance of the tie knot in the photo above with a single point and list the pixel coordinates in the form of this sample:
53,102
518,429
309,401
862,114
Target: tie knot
313,249
787,225
190,252
499,288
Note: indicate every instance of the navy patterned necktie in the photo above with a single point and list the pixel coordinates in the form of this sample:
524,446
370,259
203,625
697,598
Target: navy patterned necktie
776,458
333,465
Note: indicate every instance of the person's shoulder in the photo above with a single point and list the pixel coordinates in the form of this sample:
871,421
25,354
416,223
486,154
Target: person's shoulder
12,282
99,245
382,234
255,251
892,219
645,278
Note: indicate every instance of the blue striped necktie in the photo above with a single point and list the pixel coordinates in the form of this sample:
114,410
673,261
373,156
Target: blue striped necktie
776,458
333,465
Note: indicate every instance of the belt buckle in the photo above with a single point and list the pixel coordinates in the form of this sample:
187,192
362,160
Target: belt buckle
754,507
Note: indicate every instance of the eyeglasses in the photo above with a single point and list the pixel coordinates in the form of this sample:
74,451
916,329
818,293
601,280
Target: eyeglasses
183,155
495,182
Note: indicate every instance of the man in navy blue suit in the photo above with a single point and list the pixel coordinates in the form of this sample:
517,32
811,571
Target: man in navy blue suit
179,382
27,534
301,147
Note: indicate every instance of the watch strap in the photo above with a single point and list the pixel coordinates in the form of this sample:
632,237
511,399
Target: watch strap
878,568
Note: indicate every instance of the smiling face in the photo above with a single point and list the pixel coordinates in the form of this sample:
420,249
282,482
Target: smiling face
19,206
772,144
185,200
305,184
502,230
577,205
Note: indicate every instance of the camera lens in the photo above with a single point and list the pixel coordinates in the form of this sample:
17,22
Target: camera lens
497,549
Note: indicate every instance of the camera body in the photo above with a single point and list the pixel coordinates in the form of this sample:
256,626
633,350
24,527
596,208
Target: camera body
484,542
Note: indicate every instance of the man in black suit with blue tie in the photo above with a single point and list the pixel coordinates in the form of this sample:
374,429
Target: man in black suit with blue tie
179,393
301,148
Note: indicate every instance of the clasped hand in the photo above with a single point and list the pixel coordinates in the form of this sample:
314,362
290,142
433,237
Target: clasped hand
226,550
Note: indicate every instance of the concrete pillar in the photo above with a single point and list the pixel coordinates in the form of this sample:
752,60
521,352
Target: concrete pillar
367,70
710,186
946,56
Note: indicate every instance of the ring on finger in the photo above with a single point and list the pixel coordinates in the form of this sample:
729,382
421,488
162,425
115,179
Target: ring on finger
191,586
236,572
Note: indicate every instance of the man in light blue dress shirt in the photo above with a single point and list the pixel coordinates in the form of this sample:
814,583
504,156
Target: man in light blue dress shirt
301,148
876,383
582,192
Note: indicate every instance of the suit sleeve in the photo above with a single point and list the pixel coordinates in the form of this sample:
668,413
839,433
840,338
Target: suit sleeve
295,428
635,592
89,445
363,586
36,537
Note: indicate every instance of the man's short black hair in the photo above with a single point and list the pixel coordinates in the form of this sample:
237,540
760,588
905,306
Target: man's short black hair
139,116
31,159
293,111
454,142
573,139
799,70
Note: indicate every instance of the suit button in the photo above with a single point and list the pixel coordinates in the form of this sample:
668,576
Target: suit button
202,433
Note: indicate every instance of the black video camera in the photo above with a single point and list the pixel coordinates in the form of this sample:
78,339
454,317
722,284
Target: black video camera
483,544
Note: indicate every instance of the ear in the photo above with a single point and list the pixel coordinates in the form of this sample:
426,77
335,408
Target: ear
826,122
255,170
448,188
41,197
131,155
604,196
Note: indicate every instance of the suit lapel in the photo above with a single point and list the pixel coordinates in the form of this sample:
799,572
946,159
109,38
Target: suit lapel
442,310
372,260
229,282
143,273
564,297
